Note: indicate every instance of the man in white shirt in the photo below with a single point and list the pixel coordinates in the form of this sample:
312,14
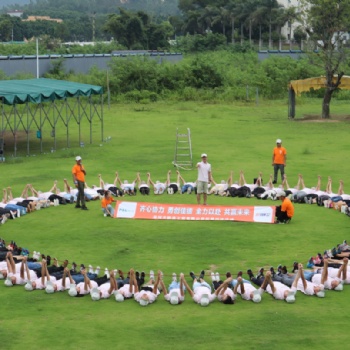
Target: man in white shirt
307,287
201,293
204,178
278,290
175,295
149,294
248,291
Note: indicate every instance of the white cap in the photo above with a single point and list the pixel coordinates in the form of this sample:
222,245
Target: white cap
8,282
320,294
256,296
282,194
28,286
204,155
144,302
278,141
205,300
72,291
49,287
174,298
77,158
339,287
118,296
290,298
95,294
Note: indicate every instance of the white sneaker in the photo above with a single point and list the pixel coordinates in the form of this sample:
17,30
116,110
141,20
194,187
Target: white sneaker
174,277
97,271
107,273
212,274
105,215
151,275
18,213
189,190
217,277
91,270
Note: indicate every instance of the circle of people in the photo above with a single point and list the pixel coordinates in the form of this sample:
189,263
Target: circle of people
328,271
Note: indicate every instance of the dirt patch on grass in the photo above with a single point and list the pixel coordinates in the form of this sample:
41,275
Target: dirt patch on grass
316,118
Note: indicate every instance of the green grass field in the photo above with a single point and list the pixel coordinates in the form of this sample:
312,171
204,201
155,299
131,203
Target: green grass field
235,137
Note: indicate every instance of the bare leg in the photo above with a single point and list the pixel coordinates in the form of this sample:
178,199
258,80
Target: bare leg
270,183
329,185
318,186
241,181
341,187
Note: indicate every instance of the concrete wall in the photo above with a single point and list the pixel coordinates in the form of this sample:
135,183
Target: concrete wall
11,65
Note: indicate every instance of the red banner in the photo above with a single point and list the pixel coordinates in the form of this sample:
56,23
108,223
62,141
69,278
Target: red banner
156,211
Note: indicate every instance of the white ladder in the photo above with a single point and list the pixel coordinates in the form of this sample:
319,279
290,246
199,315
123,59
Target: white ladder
183,151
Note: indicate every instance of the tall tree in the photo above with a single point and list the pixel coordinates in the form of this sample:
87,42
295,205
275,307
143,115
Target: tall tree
326,22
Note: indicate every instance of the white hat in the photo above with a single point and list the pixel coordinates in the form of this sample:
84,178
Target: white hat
28,286
174,298
77,158
95,294
256,296
205,300
339,287
49,287
118,296
72,291
320,294
8,282
282,194
144,302
278,141
204,155
290,298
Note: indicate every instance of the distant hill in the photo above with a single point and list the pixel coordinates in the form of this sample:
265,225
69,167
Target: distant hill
4,3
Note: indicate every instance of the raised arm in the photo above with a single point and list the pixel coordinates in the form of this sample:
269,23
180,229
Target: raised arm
187,287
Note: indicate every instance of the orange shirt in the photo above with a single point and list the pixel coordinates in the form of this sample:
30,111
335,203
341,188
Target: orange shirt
77,172
279,155
287,206
106,201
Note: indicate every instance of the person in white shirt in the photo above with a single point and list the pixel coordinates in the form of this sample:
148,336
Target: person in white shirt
331,283
127,290
12,276
201,293
158,187
128,188
148,294
278,290
222,289
204,178
248,291
307,287
176,294
38,283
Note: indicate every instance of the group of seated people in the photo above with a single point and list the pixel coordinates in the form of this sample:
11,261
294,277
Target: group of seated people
17,268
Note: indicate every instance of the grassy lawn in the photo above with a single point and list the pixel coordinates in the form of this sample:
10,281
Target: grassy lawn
235,137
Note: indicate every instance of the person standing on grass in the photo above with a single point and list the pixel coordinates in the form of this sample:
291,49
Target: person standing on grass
279,160
204,178
79,173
